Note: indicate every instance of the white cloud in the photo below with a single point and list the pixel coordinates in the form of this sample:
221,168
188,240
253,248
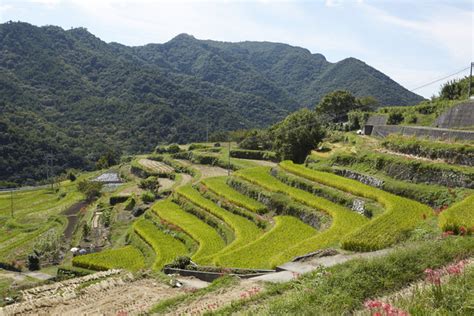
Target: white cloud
449,27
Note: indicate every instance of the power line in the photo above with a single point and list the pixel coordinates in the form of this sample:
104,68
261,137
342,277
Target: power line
440,79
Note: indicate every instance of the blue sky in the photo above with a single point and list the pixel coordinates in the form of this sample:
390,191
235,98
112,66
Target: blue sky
413,42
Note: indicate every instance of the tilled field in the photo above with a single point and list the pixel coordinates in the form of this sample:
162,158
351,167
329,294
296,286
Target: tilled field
103,293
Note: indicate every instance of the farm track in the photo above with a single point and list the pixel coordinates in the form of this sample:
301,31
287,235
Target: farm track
103,293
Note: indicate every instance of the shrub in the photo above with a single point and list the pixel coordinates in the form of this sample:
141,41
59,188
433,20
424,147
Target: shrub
116,199
253,154
91,189
148,197
150,183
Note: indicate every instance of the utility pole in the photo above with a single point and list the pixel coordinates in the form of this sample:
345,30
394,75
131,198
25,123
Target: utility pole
49,168
207,130
11,202
470,82
228,163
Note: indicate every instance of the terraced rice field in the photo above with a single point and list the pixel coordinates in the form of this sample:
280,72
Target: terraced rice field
400,216
344,220
265,252
244,230
207,237
219,186
128,258
165,246
458,217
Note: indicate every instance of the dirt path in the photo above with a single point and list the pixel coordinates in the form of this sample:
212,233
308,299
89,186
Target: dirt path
103,293
186,178
264,163
72,218
205,170
386,151
218,299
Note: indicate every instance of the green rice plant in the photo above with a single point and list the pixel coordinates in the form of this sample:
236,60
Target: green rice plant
245,231
287,232
344,220
219,186
127,257
166,247
459,215
401,215
209,240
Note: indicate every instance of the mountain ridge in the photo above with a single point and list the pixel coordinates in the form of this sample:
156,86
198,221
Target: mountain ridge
86,97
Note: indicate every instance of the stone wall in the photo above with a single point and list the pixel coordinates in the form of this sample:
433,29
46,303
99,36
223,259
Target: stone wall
419,131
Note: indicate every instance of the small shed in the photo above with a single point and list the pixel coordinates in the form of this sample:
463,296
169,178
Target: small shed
372,121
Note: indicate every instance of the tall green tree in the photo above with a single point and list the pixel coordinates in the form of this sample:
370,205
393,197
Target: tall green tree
335,106
297,135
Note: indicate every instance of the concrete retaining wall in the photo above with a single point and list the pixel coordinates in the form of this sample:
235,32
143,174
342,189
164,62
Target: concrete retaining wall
419,131
211,276
459,116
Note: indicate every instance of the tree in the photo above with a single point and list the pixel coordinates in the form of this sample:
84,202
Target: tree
106,160
150,183
297,135
335,106
91,189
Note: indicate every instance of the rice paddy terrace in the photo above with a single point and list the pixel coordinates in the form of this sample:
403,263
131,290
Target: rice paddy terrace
361,196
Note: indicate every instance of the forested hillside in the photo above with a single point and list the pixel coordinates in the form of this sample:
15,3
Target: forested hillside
72,95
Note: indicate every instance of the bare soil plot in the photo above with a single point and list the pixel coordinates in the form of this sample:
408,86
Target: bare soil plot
103,293
156,166
166,184
219,299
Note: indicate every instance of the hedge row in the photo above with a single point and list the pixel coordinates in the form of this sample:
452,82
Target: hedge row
451,152
219,186
344,220
207,237
401,215
409,169
287,232
127,257
253,154
458,215
245,231
165,246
